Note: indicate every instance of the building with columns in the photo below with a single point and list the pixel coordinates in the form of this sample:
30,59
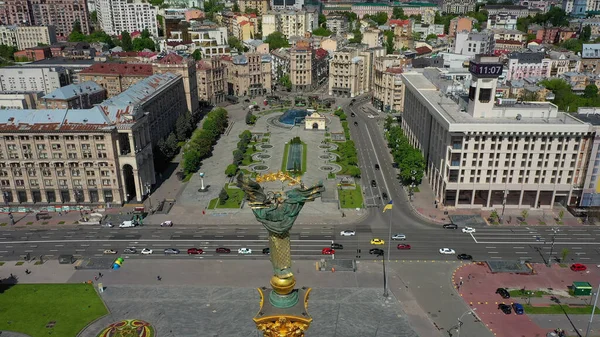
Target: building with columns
481,153
89,156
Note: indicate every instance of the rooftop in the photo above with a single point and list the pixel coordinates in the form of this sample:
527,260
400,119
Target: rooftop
53,120
56,61
74,90
451,109
119,69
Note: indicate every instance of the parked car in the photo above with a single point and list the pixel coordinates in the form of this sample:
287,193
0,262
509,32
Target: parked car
127,224
373,183
244,251
468,230
110,251
464,257
447,251
108,225
171,251
376,251
266,251
377,166
347,233
578,267
167,223
398,237
147,251
194,251
403,246
355,123
503,293
327,251
450,226
222,250
130,251
518,308
377,241
352,114
505,308
384,196
337,246
371,116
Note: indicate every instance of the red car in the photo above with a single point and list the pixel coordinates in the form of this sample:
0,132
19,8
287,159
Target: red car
194,251
578,267
328,251
222,250
403,246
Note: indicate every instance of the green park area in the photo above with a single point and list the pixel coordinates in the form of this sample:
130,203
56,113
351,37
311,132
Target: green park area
228,198
519,293
556,309
49,309
351,198
286,156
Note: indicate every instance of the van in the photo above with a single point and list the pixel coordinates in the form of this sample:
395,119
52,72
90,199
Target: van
42,215
127,224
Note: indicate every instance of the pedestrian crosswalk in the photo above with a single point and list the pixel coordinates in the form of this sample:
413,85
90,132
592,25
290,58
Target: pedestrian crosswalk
537,235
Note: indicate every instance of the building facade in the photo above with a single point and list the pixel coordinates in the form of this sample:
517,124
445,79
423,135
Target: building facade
115,77
32,79
74,96
261,6
212,80
302,76
116,16
186,68
350,71
19,100
527,65
590,58
61,14
502,21
480,154
458,6
337,24
248,75
23,37
290,22
388,91
460,24
473,43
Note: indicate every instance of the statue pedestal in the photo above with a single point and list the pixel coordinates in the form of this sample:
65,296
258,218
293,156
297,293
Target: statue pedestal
274,321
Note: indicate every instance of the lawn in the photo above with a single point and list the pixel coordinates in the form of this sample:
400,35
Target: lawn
28,308
236,196
285,157
351,198
534,293
555,309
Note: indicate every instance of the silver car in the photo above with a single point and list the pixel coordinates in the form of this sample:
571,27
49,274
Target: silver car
171,251
399,237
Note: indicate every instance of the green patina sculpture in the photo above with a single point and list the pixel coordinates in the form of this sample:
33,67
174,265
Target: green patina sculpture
278,214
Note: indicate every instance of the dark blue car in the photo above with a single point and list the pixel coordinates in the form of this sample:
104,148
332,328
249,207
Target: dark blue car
518,308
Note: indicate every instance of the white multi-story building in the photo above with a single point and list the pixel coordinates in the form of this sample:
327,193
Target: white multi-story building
290,22
287,4
473,43
337,24
483,154
24,37
351,70
388,91
526,65
502,21
32,79
509,35
116,16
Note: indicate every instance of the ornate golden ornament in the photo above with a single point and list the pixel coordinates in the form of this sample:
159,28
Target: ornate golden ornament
283,327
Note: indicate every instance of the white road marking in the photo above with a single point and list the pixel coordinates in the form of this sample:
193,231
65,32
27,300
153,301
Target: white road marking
492,252
518,247
490,247
520,252
142,240
576,248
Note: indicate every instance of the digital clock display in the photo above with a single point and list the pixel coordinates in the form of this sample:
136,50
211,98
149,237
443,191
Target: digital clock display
485,69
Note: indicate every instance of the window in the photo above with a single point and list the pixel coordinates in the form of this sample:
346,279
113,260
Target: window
47,182
105,182
20,182
72,155
57,155
56,147
91,182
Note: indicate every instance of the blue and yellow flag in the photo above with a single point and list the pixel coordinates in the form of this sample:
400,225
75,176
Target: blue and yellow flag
388,206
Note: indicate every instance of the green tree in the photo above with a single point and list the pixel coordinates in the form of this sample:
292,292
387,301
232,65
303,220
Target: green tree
140,44
389,41
524,215
211,7
197,54
494,217
236,8
7,55
76,34
250,10
387,124
431,37
398,13
231,170
444,19
357,36
246,136
321,32
238,156
250,118
586,33
590,91
381,18
126,43
574,45
191,160
183,126
322,20
563,255
277,40
94,17
223,196
285,81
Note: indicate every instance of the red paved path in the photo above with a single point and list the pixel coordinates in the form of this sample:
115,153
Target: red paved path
479,287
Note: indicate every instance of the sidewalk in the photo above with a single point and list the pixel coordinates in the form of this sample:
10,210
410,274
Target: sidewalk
424,205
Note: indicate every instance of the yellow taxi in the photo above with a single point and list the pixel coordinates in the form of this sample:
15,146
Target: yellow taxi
377,241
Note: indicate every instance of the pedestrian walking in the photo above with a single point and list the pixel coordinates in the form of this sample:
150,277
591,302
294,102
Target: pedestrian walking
158,278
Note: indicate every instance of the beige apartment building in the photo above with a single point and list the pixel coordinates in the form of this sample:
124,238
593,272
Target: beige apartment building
115,77
24,37
388,91
186,68
302,76
373,37
74,96
212,80
262,6
350,70
248,74
101,155
482,153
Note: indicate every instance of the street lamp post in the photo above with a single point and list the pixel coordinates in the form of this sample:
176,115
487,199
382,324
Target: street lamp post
78,196
148,191
503,205
472,312
554,231
587,332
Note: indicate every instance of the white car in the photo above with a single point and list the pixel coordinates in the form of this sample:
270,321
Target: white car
110,251
244,251
347,233
371,116
447,251
468,230
146,251
399,237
